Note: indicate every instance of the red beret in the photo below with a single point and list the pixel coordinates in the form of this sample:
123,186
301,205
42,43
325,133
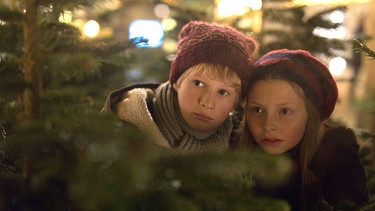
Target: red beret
300,67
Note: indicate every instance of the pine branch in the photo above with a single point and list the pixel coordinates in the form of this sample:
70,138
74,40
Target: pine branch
7,14
358,46
103,49
333,9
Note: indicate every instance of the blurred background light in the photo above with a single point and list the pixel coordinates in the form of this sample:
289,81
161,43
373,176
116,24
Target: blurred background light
91,28
321,2
161,10
255,4
337,17
112,4
338,33
149,29
66,17
169,24
226,8
337,66
169,45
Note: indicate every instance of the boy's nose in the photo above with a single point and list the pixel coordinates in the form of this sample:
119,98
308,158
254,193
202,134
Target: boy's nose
207,101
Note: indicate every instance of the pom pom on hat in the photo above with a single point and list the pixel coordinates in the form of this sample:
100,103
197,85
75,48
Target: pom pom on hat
300,67
202,42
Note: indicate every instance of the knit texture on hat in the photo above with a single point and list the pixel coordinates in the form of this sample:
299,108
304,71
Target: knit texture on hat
300,67
201,42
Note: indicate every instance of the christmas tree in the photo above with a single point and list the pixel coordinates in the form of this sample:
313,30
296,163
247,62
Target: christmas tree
59,153
290,27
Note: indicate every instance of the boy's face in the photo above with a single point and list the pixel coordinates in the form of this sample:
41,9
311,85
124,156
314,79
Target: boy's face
276,115
205,103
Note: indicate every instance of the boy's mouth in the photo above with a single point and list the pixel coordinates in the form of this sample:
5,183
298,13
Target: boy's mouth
202,117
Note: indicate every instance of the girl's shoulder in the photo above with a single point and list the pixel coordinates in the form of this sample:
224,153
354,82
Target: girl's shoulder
339,137
338,166
339,148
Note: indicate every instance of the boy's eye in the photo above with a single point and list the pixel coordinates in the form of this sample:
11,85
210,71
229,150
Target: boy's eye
223,92
198,83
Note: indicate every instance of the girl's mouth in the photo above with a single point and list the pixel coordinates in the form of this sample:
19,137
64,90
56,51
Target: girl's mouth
270,141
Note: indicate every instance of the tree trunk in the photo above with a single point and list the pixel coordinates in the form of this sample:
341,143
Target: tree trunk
31,61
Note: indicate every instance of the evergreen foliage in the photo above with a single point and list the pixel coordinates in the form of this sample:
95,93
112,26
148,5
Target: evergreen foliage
358,46
70,157
290,27
59,153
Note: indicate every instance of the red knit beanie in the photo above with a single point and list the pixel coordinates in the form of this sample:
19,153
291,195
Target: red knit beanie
300,67
201,42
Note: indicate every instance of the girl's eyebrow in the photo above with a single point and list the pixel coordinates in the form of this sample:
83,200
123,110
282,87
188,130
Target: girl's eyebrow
253,102
278,104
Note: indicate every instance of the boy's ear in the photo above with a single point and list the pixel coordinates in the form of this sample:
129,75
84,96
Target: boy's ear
175,86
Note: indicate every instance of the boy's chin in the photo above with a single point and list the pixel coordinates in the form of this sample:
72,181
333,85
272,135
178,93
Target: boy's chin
202,127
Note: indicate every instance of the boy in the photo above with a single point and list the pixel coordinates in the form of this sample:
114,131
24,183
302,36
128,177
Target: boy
192,112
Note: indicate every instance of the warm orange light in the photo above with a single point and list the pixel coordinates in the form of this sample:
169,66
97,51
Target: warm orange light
320,2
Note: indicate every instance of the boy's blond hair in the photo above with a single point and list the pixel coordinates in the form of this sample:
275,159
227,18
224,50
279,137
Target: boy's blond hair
215,72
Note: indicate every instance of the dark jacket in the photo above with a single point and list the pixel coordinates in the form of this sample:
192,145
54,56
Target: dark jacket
342,178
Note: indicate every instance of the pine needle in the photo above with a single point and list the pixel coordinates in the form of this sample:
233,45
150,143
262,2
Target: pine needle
358,46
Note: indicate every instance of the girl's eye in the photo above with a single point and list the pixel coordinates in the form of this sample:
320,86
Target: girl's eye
256,109
285,111
198,83
223,92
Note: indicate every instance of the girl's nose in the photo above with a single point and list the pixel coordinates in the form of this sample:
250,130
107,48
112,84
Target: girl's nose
269,122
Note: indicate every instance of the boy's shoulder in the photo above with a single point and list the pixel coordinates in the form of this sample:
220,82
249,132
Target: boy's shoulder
116,96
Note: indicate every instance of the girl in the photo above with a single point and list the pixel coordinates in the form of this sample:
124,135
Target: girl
290,95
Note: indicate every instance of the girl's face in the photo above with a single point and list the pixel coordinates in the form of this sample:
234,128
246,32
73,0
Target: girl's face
276,115
205,103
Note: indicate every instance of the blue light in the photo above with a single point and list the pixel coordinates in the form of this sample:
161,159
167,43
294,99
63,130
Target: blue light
152,30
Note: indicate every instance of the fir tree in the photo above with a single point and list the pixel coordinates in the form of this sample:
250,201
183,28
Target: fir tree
289,27
59,153
358,46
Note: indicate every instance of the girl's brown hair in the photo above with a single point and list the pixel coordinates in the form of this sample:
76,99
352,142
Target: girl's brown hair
307,147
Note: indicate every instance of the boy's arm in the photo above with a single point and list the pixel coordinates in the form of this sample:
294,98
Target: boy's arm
116,96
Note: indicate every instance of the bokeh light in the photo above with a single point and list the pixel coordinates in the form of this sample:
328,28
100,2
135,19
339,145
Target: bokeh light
337,66
91,28
66,17
152,30
337,17
161,10
169,24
